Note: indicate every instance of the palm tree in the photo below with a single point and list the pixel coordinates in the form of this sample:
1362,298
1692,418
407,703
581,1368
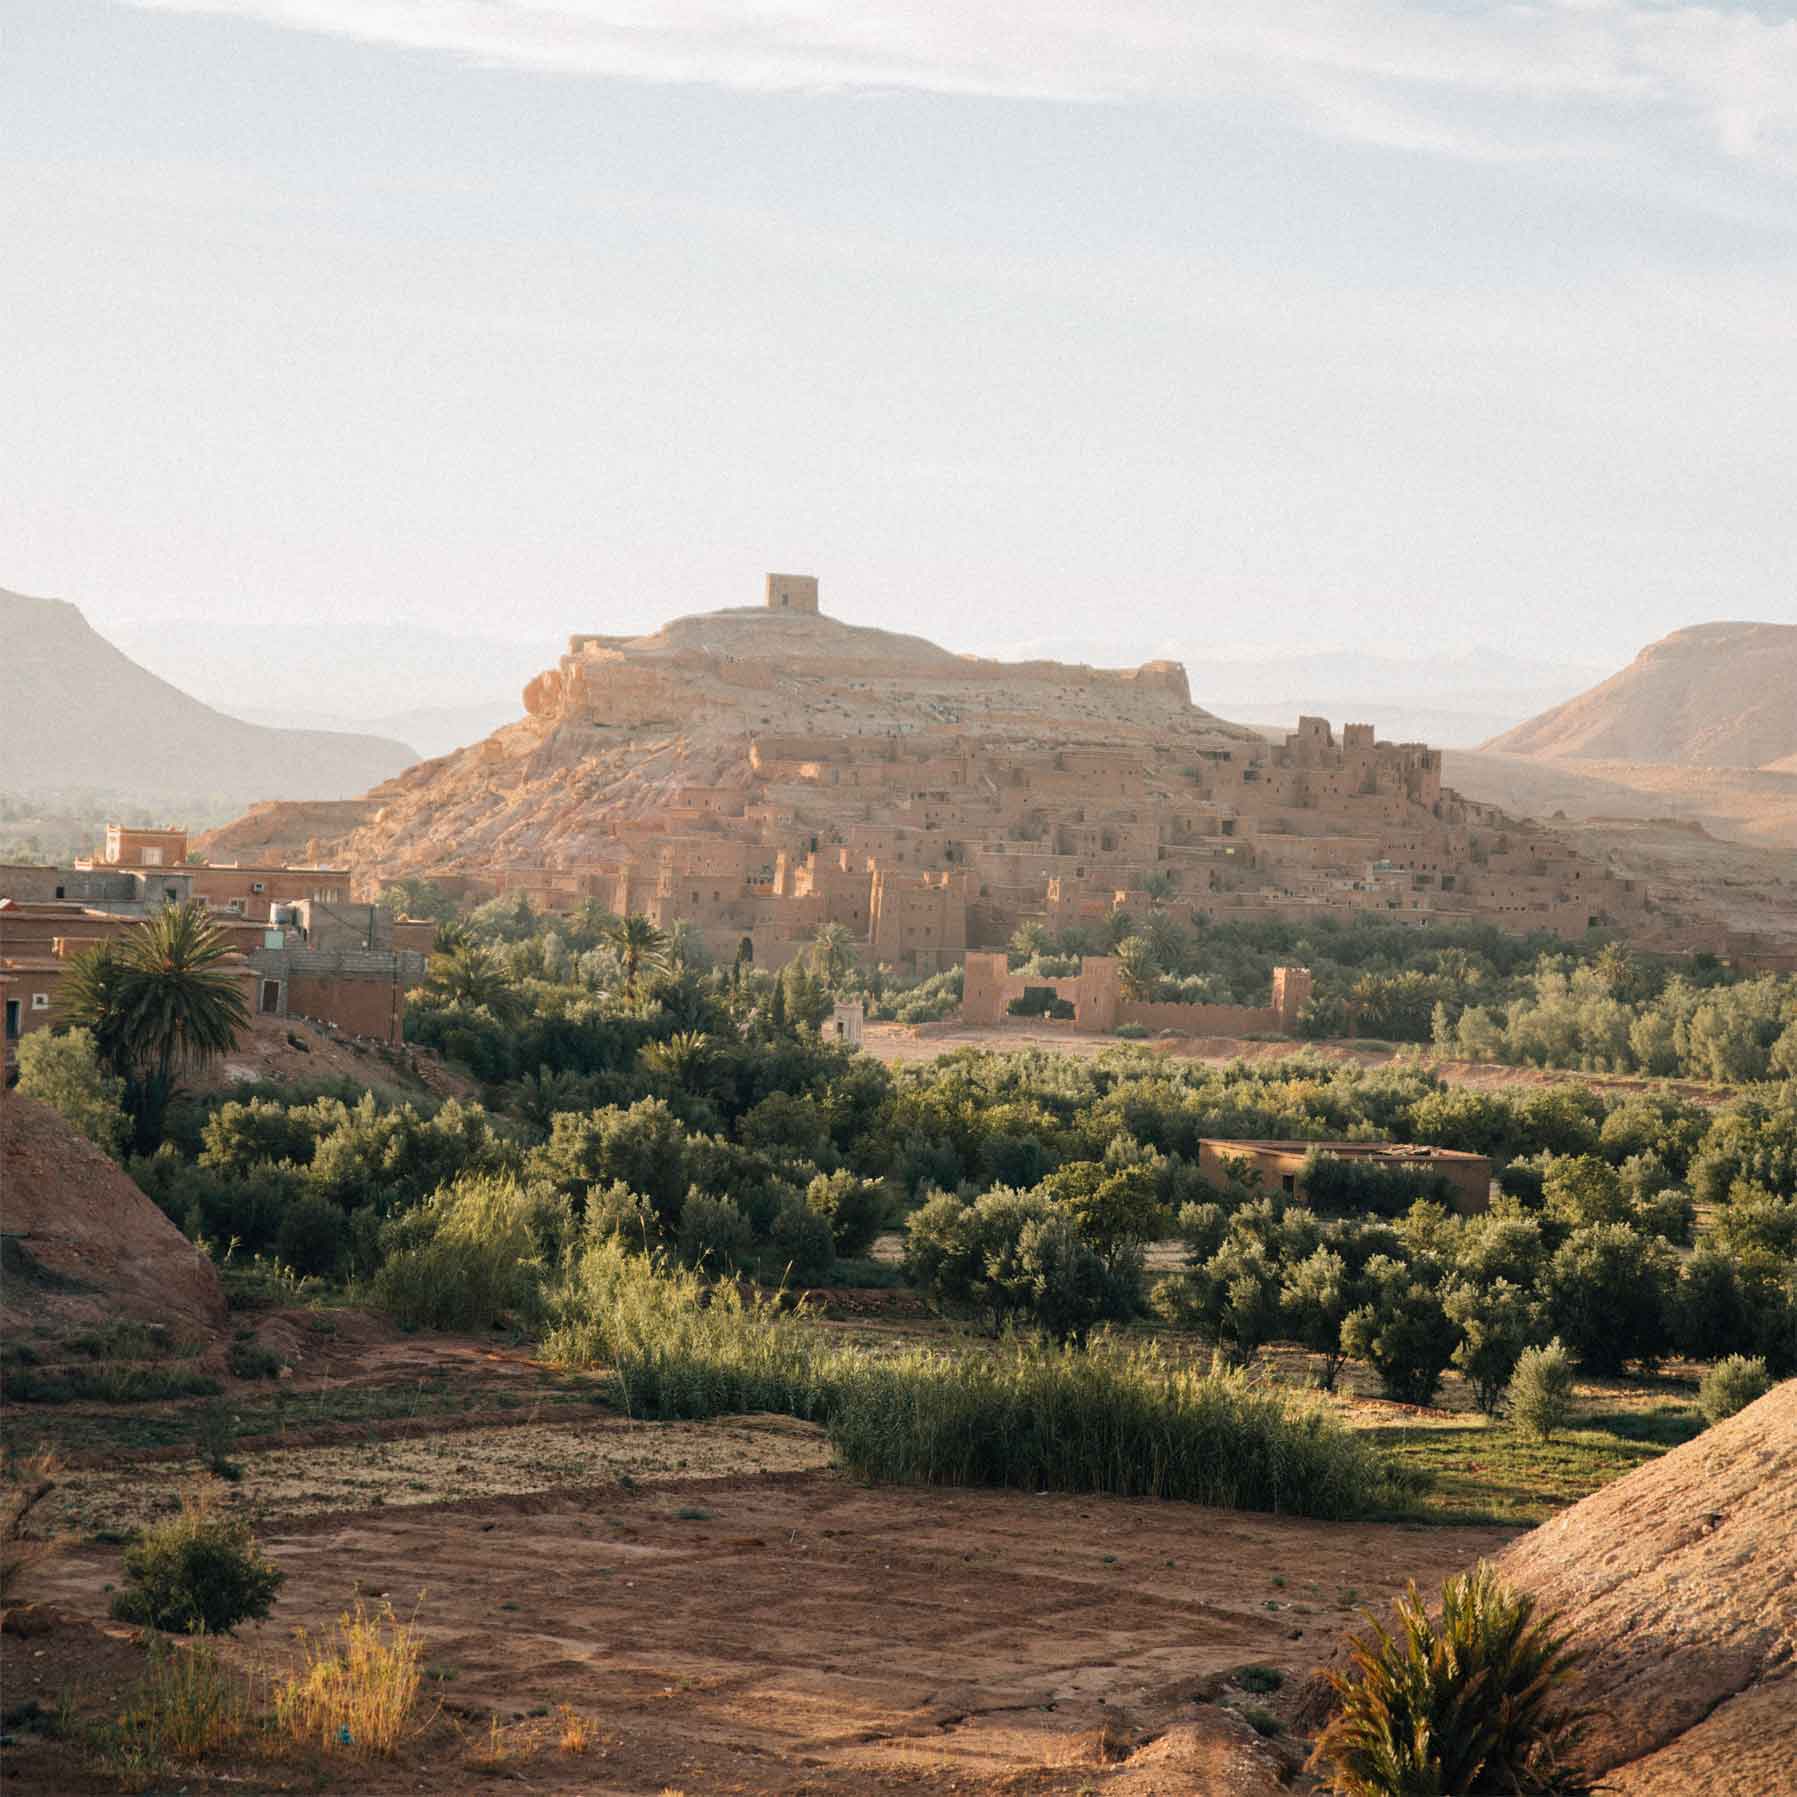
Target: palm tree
470,974
1166,939
681,1059
159,1003
1137,972
1029,939
182,1009
1161,884
90,995
450,934
635,940
832,954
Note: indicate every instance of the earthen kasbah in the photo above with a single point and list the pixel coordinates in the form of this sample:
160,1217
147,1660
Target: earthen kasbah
761,771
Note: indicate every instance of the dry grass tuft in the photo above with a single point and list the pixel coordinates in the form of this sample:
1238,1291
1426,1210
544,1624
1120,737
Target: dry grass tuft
23,1486
576,1736
188,1703
492,1754
356,1687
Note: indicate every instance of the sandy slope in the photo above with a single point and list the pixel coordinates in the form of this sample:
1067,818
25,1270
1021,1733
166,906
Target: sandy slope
1716,695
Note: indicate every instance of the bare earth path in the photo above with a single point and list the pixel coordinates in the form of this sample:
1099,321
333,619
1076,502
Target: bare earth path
797,1632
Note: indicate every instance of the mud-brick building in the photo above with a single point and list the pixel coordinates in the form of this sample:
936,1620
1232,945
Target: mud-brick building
1281,1166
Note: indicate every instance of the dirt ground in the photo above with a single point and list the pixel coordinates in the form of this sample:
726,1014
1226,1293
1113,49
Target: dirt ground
297,1051
793,1632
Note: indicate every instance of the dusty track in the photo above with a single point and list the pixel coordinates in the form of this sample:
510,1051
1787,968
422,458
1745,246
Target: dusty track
801,1633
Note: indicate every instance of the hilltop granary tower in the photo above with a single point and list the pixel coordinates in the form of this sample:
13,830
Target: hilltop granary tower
792,592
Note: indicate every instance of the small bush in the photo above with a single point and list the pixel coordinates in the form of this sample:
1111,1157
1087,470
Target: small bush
249,1360
1496,1323
713,1233
802,1243
355,1688
1469,1703
1609,1294
312,1236
854,1208
1404,1335
1539,1398
215,1435
64,1071
196,1571
1732,1385
1132,1032
471,1256
615,1210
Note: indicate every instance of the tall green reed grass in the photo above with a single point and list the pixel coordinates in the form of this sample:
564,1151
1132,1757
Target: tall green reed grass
1118,1418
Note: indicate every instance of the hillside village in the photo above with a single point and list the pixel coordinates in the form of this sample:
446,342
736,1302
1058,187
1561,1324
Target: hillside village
763,773
760,772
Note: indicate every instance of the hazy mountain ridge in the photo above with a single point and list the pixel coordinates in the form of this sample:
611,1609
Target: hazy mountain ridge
1714,695
79,713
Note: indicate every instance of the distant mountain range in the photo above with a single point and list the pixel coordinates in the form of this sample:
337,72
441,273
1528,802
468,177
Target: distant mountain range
432,730
1715,695
77,713
1451,700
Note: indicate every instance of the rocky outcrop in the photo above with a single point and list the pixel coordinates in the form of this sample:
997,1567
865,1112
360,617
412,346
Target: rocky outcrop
1681,1583
621,725
83,1246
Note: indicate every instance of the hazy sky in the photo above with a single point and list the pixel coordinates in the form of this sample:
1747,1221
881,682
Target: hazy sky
1207,323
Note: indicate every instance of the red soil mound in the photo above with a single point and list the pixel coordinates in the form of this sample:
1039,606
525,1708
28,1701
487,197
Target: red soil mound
83,1245
1681,1580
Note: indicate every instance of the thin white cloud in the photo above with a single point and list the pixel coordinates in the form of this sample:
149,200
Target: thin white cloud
1522,79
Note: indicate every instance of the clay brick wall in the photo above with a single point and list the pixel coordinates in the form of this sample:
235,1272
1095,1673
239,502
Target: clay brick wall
360,1007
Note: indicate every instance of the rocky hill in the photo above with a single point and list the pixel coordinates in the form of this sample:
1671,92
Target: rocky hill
79,714
1680,1581
747,770
624,725
1716,695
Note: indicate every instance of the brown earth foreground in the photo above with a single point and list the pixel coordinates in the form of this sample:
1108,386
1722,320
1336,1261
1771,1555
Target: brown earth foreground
83,1245
798,1632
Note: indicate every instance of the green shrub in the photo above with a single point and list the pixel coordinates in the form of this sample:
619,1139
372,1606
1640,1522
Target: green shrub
64,1071
1404,1334
615,1210
1539,1396
713,1233
248,1360
472,1255
1231,1302
1068,1285
1732,1385
1338,1185
802,1244
1496,1323
854,1208
313,1236
1609,1296
1466,1704
197,1571
1132,1032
